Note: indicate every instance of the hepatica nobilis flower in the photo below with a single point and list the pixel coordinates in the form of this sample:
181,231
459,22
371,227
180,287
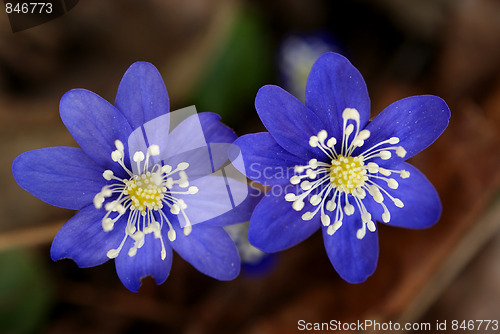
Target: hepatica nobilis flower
330,168
145,181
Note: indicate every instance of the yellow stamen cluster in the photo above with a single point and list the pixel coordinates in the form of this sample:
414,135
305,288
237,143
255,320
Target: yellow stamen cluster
347,173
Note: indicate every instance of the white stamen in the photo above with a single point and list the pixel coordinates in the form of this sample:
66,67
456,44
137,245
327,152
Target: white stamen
341,178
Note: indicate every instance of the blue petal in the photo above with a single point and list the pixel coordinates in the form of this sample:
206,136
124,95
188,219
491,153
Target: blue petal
417,121
210,250
333,85
241,213
214,130
216,195
276,226
94,124
61,176
146,262
289,122
422,207
353,259
82,239
142,95
266,162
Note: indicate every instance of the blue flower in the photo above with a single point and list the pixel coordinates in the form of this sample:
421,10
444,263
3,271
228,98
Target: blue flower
145,181
330,168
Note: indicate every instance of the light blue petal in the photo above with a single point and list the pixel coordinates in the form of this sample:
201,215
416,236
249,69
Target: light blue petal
333,85
142,95
353,259
210,250
61,176
82,238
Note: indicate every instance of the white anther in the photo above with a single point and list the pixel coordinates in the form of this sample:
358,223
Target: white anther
113,253
377,196
386,216
350,113
174,209
107,174
349,209
393,184
154,150
295,179
290,197
366,217
307,215
315,200
322,135
393,140
385,155
404,174
372,167
306,185
117,156
333,228
119,145
138,156
192,190
331,205
364,134
313,163
166,169
331,142
400,152
360,234
313,141
98,200
348,130
398,203
182,166
298,204
107,224
171,235
325,220
188,229
371,226
384,171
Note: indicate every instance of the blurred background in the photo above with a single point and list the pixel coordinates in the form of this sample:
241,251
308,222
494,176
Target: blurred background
216,54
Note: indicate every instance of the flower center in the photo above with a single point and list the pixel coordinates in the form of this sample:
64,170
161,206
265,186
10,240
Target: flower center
347,173
145,192
331,186
143,196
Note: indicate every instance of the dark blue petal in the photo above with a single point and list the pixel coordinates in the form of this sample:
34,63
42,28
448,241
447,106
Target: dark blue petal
422,207
214,130
82,238
417,121
276,226
333,85
241,213
353,259
142,95
95,124
210,250
146,262
61,176
288,120
264,161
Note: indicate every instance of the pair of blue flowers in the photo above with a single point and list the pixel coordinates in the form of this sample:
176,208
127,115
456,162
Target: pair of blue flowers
145,182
